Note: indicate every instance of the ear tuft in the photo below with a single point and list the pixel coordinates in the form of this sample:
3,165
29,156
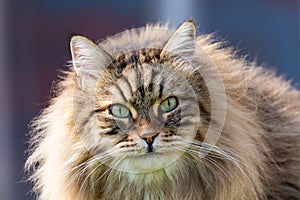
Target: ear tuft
182,42
191,20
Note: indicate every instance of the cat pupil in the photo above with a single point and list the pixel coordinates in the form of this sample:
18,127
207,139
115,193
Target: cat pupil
118,111
169,104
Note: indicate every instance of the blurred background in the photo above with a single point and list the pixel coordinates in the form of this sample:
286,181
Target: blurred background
34,44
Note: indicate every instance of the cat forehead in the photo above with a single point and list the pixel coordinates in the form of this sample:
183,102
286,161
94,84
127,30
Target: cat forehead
138,63
141,68
132,81
147,55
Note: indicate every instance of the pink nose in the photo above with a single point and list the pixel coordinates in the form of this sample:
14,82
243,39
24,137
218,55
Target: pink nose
149,137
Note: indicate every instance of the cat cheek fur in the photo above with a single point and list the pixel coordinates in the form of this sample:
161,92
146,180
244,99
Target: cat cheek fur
78,150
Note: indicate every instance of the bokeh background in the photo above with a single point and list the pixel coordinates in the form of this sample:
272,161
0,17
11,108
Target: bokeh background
34,44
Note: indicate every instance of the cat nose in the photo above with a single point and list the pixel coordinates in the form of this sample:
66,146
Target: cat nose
149,137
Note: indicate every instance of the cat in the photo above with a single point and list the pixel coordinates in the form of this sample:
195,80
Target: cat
156,113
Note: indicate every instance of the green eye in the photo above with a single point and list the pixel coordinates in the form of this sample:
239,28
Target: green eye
119,110
169,104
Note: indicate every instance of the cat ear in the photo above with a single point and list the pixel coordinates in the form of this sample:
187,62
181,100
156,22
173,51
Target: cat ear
182,42
87,57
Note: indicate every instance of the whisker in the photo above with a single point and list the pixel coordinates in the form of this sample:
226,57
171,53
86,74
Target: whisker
82,168
214,151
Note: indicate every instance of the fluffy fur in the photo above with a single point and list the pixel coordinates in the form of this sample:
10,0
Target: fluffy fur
75,155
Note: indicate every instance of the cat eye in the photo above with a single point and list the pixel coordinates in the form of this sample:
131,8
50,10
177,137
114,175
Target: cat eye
119,110
169,104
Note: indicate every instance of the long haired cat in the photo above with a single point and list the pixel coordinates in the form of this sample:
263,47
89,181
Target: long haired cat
155,113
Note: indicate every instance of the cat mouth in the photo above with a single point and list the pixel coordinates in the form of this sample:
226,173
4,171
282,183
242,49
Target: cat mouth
150,149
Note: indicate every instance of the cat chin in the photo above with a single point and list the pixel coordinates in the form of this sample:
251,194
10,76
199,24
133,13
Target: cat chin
146,162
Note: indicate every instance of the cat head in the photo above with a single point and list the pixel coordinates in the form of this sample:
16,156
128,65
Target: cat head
139,110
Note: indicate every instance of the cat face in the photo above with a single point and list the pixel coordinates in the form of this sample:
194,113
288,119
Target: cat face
144,110
146,114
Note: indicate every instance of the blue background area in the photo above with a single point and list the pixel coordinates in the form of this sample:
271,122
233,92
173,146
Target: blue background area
38,32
